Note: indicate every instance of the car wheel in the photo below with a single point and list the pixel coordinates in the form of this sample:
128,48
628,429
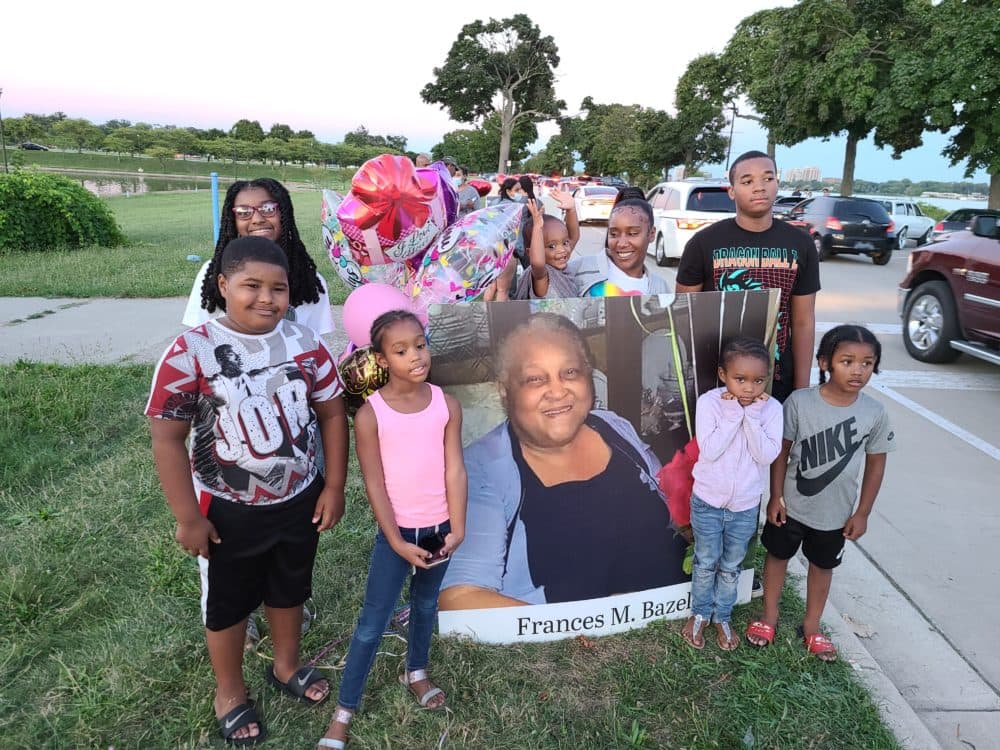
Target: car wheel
930,322
880,259
926,238
901,239
822,251
661,252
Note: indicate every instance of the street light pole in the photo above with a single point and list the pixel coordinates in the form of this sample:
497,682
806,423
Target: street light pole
729,146
3,141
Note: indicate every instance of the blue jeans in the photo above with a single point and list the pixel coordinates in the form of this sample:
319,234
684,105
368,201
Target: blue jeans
720,542
386,575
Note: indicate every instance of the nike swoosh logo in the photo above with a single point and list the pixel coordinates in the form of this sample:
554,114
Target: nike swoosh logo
810,486
304,679
232,722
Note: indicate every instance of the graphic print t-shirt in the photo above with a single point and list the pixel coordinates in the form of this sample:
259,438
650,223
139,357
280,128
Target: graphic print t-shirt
828,447
253,434
725,257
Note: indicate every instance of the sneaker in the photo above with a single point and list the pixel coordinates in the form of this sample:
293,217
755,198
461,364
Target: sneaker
758,587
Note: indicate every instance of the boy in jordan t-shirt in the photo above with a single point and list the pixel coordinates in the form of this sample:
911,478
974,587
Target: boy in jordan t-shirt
753,251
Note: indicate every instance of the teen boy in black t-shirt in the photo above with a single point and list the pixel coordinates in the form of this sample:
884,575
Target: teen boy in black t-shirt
753,251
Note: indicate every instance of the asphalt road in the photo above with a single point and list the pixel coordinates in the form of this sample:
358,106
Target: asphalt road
922,583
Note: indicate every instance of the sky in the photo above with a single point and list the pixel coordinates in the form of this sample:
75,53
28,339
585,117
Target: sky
207,64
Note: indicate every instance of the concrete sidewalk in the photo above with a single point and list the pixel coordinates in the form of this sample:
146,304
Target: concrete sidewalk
921,683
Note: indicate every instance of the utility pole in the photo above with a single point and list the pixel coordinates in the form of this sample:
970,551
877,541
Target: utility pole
3,142
732,126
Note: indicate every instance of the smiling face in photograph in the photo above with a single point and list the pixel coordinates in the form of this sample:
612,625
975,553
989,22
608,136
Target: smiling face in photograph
629,235
256,214
547,389
256,295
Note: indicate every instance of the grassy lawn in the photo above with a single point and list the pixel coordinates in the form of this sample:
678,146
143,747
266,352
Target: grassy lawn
162,230
101,644
100,162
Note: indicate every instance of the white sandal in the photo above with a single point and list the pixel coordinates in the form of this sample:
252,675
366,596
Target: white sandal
408,678
341,716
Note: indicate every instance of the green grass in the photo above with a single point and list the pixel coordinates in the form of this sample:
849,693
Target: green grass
101,643
162,230
100,162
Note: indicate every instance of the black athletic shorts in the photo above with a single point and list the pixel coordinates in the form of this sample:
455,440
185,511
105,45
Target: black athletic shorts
266,555
824,549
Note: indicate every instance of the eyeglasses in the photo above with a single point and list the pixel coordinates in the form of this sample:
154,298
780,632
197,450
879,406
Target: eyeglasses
266,210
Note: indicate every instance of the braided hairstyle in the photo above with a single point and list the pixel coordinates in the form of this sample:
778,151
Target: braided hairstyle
846,333
381,324
303,282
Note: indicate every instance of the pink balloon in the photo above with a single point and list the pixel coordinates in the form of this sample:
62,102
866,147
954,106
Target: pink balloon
365,304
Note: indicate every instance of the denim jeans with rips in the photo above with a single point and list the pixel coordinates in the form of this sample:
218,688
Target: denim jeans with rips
720,542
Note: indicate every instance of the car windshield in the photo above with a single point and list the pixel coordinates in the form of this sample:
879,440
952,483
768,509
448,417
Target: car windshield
853,210
711,199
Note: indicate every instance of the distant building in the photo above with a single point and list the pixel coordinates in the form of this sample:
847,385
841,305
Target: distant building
802,174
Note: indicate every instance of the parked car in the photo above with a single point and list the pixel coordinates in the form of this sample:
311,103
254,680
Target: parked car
957,221
856,226
546,185
616,182
950,298
594,202
568,185
682,208
29,146
783,204
910,221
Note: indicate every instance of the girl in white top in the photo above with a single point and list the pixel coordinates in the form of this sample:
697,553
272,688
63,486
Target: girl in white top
263,208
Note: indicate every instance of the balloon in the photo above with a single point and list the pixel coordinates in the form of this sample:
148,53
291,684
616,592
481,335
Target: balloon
468,256
338,247
393,211
482,187
439,171
361,376
365,304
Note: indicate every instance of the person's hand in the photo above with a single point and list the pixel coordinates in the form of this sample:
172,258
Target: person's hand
414,555
855,527
499,289
194,536
727,396
452,542
329,509
563,199
762,397
534,210
776,511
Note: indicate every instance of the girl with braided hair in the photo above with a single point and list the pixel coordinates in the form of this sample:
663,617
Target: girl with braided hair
263,208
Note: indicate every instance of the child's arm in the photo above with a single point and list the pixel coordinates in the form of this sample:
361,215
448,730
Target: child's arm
871,482
717,420
803,312
763,427
333,429
565,201
194,531
776,505
366,445
455,480
536,251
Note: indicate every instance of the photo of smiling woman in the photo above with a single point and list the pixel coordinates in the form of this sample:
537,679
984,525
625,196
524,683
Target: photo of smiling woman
563,499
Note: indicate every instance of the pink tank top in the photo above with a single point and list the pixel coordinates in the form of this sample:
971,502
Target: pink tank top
412,450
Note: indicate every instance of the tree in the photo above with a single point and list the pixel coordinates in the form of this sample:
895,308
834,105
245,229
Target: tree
161,154
114,125
78,133
280,132
181,140
21,129
699,121
500,67
477,148
247,130
958,88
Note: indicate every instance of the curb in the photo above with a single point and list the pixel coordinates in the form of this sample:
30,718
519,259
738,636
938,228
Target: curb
897,714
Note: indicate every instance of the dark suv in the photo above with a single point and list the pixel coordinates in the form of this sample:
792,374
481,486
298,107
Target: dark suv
857,226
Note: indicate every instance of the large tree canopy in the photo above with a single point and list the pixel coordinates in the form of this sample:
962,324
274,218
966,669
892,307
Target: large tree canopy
477,148
501,67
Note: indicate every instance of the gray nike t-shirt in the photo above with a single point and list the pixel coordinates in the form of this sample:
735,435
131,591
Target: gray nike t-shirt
826,458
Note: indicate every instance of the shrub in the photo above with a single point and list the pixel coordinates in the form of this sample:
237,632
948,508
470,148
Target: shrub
41,211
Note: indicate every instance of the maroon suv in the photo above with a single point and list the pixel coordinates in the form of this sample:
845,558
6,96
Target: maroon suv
950,298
